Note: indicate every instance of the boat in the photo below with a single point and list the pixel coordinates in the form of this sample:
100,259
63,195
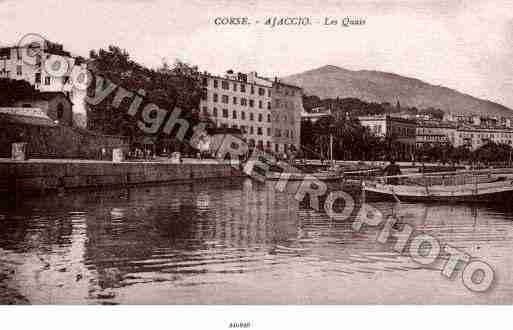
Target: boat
299,176
331,174
464,186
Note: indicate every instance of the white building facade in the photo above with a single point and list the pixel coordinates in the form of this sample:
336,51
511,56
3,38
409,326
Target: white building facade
474,137
267,112
29,63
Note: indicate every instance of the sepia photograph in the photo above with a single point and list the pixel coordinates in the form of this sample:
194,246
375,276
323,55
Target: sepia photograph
256,153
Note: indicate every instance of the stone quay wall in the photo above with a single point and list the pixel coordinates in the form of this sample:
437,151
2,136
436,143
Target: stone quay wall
41,176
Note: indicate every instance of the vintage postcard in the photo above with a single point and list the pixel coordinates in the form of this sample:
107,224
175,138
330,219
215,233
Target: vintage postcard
262,152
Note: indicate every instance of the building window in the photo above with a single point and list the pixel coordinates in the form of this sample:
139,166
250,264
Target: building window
261,91
269,92
234,100
215,112
252,89
5,53
234,87
60,111
204,81
251,130
216,84
203,94
243,101
224,99
259,131
268,131
234,114
269,105
251,116
19,70
38,78
48,80
225,113
243,88
260,117
216,97
276,147
251,103
65,80
243,115
225,85
260,104
269,118
278,132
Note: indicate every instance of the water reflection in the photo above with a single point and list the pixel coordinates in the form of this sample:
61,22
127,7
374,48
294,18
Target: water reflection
230,241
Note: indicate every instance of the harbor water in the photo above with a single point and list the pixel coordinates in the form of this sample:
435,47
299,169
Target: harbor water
234,241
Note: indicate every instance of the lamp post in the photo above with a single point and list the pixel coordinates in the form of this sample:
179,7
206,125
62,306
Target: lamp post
332,128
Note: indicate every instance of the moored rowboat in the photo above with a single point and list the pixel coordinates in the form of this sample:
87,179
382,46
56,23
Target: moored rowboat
321,176
491,187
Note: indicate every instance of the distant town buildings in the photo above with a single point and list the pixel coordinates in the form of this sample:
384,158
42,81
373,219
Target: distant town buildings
474,137
27,62
468,130
432,132
267,112
401,129
419,131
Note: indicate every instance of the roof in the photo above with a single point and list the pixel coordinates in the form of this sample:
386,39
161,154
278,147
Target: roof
387,117
474,128
436,124
25,116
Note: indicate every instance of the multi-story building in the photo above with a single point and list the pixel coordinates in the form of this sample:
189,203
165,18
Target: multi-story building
474,137
268,112
435,133
27,62
401,129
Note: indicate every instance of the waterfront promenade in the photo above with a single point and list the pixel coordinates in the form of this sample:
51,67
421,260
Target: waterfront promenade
41,175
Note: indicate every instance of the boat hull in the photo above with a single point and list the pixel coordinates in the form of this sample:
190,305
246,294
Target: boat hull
304,177
495,192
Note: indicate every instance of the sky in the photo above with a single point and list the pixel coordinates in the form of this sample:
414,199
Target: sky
465,45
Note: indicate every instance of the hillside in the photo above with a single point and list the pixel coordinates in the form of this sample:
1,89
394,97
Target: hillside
374,86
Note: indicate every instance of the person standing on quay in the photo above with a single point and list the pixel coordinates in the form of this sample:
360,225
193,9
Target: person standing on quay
391,170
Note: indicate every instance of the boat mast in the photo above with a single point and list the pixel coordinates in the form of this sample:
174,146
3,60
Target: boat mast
331,147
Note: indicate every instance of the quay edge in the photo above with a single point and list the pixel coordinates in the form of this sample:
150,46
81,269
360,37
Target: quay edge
40,176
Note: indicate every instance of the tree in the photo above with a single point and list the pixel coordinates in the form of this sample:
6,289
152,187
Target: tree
13,90
492,152
166,87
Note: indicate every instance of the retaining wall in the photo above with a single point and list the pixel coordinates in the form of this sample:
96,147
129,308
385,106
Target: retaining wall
33,176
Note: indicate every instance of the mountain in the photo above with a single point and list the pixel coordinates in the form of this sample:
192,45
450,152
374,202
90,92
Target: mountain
374,86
